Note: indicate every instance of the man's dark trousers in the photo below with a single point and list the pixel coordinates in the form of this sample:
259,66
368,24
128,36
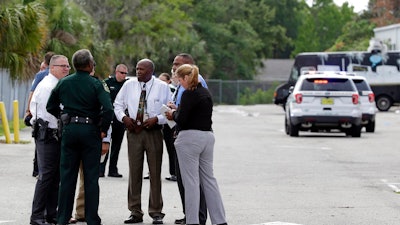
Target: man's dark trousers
117,135
46,190
203,206
168,135
79,142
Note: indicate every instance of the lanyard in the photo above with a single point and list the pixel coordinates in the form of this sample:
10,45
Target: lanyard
144,86
147,92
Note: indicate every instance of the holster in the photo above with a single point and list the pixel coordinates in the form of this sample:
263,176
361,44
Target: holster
41,132
35,129
59,128
63,120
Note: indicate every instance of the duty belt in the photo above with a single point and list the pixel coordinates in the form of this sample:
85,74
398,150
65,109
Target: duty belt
83,120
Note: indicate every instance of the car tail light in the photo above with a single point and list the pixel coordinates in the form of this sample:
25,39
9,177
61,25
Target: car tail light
355,99
371,97
299,98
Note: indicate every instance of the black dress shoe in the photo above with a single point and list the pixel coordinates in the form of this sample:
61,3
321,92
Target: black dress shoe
39,222
115,175
157,220
133,219
51,220
171,178
180,221
35,174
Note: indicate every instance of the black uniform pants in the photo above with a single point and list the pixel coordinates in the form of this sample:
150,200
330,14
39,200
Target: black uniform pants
46,191
117,135
80,142
169,139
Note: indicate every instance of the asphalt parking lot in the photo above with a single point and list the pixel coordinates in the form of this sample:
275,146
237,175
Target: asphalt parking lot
265,176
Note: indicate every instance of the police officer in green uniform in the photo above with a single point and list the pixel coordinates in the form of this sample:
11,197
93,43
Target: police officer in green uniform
115,83
84,99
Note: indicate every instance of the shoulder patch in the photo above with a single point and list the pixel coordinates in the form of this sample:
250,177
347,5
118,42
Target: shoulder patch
105,86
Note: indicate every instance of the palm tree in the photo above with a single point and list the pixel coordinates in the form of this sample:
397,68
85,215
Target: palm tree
23,32
27,33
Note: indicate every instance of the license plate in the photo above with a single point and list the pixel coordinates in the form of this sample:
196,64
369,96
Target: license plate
327,101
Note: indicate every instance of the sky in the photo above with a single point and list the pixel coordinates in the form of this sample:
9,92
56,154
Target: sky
359,5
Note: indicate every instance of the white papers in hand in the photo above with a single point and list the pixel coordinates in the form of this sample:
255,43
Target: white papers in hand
102,158
164,109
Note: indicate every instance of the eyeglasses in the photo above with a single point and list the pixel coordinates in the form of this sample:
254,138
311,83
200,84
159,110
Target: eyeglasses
63,66
122,72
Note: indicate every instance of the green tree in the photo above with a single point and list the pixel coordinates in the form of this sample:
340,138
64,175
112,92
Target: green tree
230,39
287,19
29,30
22,36
355,36
322,25
71,29
148,29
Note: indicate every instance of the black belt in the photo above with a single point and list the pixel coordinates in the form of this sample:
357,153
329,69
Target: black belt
79,119
49,130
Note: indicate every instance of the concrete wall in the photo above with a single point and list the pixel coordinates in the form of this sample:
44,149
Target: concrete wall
13,90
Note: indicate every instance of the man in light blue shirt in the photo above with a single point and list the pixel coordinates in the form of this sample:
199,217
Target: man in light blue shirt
179,60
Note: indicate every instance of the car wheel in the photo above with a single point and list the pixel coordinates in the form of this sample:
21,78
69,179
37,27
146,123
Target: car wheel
356,131
370,127
293,130
383,103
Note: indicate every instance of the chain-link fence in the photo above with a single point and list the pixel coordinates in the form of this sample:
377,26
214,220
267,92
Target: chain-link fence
229,91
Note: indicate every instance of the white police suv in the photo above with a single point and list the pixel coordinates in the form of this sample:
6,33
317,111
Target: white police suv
367,103
323,102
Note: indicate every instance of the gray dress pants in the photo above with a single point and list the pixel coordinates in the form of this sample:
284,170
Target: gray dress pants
195,151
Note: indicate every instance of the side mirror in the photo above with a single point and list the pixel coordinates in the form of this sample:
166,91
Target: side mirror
291,89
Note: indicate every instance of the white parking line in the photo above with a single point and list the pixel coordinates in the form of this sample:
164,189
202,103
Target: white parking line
303,147
277,223
393,186
7,221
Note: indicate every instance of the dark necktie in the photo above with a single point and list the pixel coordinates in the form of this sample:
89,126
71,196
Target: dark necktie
175,95
141,108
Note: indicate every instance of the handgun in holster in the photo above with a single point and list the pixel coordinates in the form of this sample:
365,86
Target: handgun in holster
41,129
65,119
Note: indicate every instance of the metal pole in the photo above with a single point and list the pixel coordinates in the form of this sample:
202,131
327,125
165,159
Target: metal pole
6,128
16,122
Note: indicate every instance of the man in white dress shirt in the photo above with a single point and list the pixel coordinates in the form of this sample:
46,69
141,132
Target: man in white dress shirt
44,206
144,135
